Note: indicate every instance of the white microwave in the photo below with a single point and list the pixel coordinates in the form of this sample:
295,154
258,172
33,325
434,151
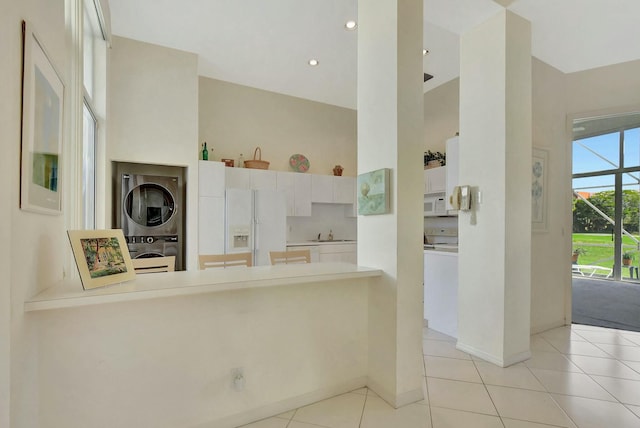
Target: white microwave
435,205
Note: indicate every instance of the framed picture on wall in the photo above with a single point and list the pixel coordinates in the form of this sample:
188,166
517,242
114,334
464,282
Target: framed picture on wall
539,167
42,112
102,257
374,192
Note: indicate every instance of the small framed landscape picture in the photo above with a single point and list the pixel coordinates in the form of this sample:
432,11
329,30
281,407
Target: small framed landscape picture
102,257
373,192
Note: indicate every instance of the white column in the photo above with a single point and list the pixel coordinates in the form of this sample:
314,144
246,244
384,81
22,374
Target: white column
390,127
495,156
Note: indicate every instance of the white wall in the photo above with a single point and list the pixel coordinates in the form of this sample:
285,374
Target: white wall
390,112
35,245
495,156
235,119
153,116
167,362
551,249
441,115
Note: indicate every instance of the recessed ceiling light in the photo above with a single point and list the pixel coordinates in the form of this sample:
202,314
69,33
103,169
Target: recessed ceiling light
313,62
424,52
350,25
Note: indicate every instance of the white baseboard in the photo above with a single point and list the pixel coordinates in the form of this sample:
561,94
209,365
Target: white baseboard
544,327
501,362
286,405
393,400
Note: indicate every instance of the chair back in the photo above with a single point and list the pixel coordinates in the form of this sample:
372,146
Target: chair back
207,261
154,264
290,257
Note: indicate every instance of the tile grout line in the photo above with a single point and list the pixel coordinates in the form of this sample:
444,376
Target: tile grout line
426,388
366,397
549,393
488,393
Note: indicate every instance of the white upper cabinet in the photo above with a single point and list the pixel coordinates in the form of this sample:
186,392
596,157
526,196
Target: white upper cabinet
322,188
344,190
435,179
262,179
238,178
302,188
211,178
249,178
332,189
297,189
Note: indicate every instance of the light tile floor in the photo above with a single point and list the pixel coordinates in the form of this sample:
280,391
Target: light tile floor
578,376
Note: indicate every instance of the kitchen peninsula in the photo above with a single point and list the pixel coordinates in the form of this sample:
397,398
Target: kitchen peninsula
69,293
187,331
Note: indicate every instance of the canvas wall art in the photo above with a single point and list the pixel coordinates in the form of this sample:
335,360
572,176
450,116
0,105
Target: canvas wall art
373,192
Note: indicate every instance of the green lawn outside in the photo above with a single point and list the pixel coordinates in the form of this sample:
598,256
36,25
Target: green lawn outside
599,249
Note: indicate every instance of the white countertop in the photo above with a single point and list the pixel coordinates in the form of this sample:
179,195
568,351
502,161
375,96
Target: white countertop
69,293
307,243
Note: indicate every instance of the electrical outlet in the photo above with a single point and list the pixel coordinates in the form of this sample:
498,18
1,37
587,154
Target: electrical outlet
237,378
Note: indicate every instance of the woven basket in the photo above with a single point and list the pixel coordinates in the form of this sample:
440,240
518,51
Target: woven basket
256,163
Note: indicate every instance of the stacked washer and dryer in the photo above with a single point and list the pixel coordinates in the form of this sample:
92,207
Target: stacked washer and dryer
149,208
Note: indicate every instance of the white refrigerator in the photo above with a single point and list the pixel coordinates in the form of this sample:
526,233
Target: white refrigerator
255,222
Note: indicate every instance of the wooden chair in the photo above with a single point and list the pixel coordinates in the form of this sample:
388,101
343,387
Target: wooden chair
207,261
290,257
154,264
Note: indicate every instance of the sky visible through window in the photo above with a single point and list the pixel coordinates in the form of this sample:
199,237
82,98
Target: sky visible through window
606,157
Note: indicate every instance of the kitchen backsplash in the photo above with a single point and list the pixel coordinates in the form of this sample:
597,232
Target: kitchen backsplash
324,217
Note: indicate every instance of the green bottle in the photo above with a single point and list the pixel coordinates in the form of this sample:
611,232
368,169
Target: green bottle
205,153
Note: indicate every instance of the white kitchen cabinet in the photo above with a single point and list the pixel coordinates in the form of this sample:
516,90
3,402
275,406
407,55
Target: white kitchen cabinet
211,178
238,178
332,189
262,179
339,252
314,251
250,178
322,188
302,194
453,169
441,291
435,179
297,189
343,190
211,225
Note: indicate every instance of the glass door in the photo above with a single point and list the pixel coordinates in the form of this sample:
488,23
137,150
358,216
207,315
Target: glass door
606,189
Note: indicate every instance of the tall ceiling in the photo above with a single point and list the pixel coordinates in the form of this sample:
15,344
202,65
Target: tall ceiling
267,44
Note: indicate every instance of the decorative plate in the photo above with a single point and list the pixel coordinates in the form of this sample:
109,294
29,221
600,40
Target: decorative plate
299,163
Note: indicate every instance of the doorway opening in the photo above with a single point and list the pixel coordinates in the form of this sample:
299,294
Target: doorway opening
606,220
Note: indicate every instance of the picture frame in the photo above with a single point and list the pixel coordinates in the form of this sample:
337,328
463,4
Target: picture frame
102,257
42,128
373,192
539,165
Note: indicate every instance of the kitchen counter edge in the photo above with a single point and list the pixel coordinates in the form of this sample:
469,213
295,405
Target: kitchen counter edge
69,293
313,243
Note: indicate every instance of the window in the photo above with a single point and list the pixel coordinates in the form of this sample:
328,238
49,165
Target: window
93,67
89,126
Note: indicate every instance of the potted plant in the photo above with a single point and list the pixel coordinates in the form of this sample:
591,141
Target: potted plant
576,253
627,258
434,159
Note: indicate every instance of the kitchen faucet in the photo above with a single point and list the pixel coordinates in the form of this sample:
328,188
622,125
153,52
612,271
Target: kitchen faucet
319,236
